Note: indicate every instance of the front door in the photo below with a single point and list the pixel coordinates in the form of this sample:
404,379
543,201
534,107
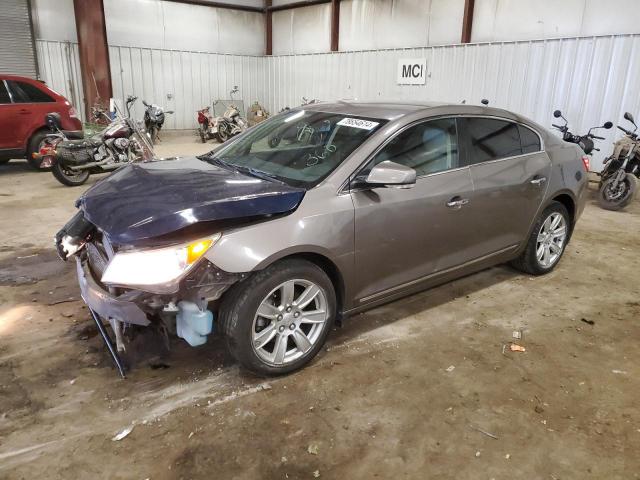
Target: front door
510,175
402,235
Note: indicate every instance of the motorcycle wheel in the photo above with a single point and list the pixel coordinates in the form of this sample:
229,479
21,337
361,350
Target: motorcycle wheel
222,135
621,197
69,177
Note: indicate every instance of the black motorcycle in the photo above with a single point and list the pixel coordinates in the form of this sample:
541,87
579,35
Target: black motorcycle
154,117
585,142
618,179
121,142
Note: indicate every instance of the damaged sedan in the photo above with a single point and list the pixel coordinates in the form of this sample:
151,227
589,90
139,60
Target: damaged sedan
315,214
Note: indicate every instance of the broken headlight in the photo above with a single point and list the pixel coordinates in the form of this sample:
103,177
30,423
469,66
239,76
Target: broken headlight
155,266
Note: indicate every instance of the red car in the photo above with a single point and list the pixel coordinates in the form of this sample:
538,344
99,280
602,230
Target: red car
24,103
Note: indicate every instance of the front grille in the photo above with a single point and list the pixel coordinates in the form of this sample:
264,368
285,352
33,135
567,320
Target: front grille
97,261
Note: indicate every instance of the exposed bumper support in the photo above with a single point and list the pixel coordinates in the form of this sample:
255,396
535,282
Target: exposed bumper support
104,304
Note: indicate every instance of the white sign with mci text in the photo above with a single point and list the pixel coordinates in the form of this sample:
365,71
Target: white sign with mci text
412,71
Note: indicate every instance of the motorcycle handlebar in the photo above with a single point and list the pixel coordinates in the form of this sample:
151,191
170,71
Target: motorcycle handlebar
557,126
597,137
624,130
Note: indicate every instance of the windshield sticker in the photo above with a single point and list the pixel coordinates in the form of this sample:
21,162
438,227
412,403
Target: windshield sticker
358,123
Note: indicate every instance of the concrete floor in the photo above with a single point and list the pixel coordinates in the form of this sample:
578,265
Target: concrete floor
419,388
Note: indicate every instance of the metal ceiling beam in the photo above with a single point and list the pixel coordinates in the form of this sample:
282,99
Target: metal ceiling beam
292,5
467,20
229,6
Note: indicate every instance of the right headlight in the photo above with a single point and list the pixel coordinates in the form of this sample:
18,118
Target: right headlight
155,266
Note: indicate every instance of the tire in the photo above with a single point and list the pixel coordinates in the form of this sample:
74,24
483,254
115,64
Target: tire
4,160
630,186
35,142
67,178
529,261
240,323
222,135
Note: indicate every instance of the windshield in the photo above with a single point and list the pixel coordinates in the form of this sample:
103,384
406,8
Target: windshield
298,147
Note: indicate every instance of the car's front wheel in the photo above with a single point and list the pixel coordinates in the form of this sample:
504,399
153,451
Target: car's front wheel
277,320
547,241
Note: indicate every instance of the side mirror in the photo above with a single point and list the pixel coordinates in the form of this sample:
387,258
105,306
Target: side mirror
391,174
607,125
628,116
145,103
484,101
557,114
169,111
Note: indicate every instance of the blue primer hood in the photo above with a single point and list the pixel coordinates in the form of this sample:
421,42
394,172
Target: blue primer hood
142,201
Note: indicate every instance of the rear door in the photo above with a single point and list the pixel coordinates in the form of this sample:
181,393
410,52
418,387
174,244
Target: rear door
405,234
31,105
510,173
8,119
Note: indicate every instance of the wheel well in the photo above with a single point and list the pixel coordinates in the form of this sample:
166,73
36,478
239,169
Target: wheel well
569,204
330,269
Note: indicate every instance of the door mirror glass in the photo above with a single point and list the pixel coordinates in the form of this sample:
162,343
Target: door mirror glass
557,114
629,117
391,174
607,125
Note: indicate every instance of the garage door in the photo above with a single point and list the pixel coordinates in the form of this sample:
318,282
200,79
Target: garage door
17,54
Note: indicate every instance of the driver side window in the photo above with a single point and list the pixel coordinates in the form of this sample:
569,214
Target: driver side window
428,147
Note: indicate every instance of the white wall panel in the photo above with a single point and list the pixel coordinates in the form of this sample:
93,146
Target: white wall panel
509,20
177,26
184,81
375,24
591,79
54,20
302,30
59,64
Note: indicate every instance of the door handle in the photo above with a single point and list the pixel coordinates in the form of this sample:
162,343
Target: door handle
457,202
24,111
538,180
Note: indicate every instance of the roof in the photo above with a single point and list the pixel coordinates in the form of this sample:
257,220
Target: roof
383,110
395,110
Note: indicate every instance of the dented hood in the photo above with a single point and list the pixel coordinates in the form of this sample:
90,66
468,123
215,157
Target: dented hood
146,200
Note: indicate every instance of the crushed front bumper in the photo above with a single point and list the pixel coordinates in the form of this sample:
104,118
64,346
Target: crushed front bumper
103,303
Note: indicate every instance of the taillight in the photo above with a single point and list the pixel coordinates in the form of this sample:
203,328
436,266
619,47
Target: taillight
585,161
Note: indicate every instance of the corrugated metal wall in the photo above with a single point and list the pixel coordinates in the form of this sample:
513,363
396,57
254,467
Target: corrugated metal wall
590,79
59,64
184,81
16,39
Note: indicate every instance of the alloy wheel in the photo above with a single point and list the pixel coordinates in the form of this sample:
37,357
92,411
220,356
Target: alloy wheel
289,322
551,240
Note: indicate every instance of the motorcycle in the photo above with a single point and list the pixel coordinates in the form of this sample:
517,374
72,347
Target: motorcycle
121,142
585,142
618,179
205,124
153,120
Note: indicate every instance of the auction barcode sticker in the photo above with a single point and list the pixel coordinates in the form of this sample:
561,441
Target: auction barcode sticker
358,123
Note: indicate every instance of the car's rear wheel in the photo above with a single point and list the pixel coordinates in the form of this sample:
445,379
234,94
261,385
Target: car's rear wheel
547,241
276,321
37,141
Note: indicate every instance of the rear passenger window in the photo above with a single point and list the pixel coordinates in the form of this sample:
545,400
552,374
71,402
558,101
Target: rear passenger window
492,139
529,140
428,147
26,93
4,95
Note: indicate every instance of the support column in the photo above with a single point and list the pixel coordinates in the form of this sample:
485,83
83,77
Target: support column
94,53
335,25
467,20
268,28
